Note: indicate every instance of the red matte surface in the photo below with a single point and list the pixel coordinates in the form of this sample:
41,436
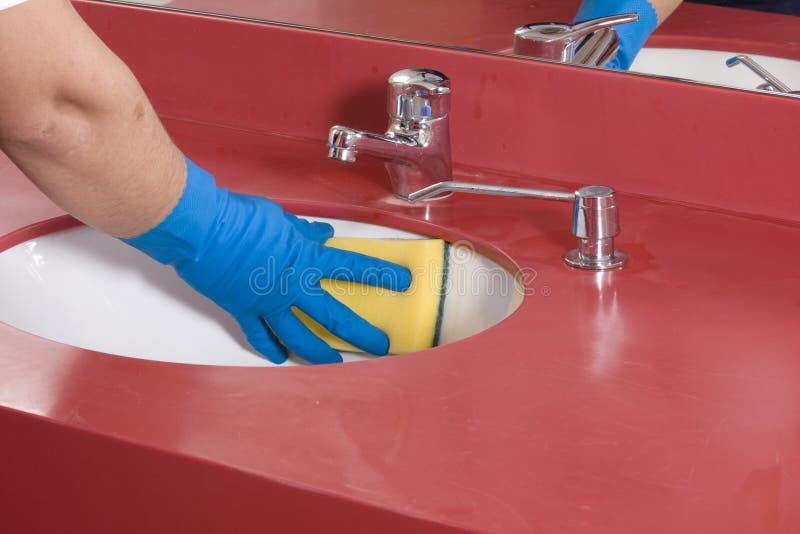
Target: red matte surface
95,483
661,398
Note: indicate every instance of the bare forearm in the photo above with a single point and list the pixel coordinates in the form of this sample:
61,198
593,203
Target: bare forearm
78,124
664,8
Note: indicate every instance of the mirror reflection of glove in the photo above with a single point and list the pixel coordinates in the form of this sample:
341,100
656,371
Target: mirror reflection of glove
256,261
633,35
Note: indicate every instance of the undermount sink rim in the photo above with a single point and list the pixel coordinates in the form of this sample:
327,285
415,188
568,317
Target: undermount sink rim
334,211
723,54
308,209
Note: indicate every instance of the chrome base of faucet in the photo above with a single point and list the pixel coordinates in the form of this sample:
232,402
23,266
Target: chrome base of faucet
574,258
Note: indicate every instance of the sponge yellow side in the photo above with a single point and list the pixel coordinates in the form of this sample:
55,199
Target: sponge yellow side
411,318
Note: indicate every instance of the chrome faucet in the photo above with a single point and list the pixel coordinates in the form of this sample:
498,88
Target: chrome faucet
416,144
595,219
591,43
771,83
417,149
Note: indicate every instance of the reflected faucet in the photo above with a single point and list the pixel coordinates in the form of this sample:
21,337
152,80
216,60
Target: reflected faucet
592,43
771,83
416,144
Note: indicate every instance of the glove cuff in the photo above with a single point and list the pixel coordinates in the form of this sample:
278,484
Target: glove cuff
183,234
632,36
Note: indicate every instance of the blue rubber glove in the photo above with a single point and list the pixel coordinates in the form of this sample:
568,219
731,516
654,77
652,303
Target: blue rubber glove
256,261
633,35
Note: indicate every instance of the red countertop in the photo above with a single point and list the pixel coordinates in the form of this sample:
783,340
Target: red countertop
660,398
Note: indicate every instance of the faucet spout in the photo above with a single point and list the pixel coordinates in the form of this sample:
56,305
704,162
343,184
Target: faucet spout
413,160
416,144
345,143
342,143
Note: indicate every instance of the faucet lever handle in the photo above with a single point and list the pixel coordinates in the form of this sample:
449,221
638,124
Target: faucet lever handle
583,29
771,83
558,41
418,95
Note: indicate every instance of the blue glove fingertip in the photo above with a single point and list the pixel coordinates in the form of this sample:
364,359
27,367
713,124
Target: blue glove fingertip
262,339
388,275
345,324
300,340
316,231
404,279
322,231
383,347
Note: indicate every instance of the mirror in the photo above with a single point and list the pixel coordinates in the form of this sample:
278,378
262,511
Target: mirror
698,42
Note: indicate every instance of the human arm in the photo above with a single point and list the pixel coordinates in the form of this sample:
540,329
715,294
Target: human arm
633,35
78,124
74,119
664,8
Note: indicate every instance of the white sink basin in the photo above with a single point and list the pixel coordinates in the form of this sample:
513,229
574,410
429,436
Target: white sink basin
83,288
709,66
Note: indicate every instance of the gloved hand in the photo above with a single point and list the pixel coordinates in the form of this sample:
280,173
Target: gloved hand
256,261
633,35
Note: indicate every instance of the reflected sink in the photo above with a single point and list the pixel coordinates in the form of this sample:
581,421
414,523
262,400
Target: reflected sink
83,288
709,66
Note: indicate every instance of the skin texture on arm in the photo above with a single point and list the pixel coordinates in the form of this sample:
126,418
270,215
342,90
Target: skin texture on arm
75,120
665,8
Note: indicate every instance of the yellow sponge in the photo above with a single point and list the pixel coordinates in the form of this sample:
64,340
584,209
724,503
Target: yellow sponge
412,318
